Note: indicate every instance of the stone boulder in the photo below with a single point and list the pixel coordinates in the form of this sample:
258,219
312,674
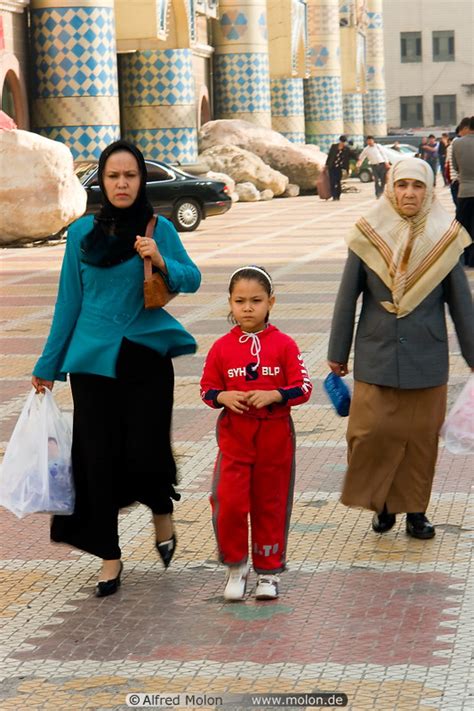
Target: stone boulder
222,178
300,163
39,192
247,192
243,166
266,195
292,191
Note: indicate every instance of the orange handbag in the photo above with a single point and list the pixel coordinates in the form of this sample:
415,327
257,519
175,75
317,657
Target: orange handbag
155,289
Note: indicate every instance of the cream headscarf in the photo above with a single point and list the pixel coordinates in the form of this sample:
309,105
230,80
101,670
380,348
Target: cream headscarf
411,255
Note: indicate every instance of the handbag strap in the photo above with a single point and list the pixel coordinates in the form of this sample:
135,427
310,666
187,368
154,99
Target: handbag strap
147,265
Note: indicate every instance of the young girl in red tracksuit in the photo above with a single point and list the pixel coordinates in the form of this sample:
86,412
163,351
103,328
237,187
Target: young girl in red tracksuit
256,373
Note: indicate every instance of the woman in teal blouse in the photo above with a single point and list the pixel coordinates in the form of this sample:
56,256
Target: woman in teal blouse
118,356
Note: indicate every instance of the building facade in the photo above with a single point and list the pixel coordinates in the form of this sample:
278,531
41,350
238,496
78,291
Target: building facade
429,60
153,71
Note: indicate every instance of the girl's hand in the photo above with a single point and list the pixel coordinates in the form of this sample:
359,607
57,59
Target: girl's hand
234,400
39,384
338,368
148,248
263,398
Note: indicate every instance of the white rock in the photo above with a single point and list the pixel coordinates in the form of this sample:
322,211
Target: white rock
223,178
238,133
243,166
292,191
266,194
300,163
39,193
247,192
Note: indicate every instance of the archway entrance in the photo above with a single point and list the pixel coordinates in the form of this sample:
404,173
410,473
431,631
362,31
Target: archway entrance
204,110
13,100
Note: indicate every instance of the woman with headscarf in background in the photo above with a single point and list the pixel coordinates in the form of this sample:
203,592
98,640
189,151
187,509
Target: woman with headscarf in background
118,356
404,260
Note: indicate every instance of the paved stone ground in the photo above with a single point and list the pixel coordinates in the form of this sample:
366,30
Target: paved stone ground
386,620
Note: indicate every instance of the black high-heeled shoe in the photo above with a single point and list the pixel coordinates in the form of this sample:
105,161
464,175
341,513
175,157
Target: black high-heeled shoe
166,550
108,587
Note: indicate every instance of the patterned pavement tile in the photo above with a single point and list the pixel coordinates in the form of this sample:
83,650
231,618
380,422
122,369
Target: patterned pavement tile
385,619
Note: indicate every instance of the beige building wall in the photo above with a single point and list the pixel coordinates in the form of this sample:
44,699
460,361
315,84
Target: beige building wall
14,55
429,78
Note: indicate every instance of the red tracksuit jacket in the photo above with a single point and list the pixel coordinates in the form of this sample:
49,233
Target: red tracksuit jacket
254,472
232,364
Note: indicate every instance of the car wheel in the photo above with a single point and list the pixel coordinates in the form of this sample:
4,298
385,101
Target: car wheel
365,176
187,215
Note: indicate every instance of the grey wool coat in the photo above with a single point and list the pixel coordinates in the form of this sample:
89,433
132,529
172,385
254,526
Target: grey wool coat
409,352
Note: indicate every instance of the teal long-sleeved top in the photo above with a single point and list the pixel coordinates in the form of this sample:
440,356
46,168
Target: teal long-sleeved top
97,307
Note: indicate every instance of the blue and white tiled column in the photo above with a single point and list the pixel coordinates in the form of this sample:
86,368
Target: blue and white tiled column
287,100
353,117
352,39
375,116
241,67
158,103
323,90
74,74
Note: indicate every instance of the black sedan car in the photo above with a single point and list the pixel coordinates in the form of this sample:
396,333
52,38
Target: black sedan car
183,198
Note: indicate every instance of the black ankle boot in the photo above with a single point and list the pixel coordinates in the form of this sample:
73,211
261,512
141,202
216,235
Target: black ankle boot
166,550
383,522
418,526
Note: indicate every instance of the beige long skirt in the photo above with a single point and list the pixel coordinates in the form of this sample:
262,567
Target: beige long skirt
392,439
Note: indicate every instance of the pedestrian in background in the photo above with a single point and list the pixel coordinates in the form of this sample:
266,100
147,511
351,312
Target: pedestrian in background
404,260
256,373
430,154
337,161
452,175
463,163
118,356
442,151
378,161
421,146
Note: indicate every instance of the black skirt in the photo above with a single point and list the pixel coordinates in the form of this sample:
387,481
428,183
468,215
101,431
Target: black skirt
121,450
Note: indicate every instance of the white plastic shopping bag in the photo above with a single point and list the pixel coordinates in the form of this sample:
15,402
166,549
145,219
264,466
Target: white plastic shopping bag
36,474
458,428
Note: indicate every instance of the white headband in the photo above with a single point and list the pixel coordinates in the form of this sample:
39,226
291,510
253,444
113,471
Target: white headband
255,269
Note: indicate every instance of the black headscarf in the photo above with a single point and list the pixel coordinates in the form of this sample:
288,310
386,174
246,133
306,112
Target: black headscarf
115,229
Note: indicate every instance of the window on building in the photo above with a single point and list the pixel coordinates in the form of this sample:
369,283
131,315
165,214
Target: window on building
410,46
444,109
411,111
443,46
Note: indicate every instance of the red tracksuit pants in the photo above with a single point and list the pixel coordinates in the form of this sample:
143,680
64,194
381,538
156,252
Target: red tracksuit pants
253,475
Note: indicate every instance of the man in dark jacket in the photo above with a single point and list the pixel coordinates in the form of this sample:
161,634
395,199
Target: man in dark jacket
337,161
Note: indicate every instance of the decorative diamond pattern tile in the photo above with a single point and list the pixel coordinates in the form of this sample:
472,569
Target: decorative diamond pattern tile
241,83
84,142
158,77
323,98
323,140
374,106
74,52
287,97
295,136
167,144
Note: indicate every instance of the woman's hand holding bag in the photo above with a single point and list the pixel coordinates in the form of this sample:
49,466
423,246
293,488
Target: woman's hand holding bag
36,474
156,293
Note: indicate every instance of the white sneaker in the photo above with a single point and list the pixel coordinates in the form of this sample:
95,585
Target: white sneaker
236,582
267,587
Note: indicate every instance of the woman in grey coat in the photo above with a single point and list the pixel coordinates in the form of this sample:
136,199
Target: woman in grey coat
404,260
